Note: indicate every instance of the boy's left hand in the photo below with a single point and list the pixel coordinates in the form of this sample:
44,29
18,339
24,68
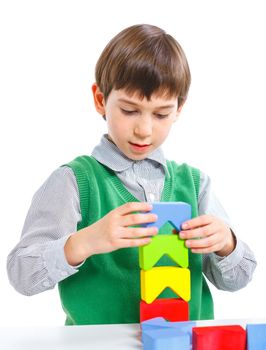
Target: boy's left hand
211,233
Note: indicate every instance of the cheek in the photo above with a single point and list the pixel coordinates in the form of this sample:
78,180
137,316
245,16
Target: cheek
163,130
117,128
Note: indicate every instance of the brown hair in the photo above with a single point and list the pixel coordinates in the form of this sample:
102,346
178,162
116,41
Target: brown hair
144,59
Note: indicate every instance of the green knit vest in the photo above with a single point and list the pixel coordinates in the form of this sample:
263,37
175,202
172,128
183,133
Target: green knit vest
106,289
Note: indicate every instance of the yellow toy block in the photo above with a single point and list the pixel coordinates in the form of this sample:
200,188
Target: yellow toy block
155,280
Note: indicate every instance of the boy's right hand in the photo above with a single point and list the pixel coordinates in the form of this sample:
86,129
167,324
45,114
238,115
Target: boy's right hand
112,232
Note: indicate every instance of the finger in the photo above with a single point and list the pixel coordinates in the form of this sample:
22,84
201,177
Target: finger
139,232
198,243
203,243
137,219
199,221
137,242
133,206
207,250
199,232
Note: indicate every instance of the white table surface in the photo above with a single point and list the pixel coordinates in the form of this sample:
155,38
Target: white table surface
98,337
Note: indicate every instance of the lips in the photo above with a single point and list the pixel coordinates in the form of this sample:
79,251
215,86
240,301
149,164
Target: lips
137,147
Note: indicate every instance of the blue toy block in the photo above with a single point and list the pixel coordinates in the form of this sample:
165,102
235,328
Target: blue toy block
156,322
174,212
256,336
165,339
161,323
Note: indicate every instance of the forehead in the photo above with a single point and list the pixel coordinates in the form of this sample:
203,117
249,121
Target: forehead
135,98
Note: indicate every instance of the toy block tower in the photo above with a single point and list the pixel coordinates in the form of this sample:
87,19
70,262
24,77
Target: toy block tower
155,279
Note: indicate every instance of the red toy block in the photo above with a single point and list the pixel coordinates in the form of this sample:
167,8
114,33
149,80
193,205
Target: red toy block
173,309
219,338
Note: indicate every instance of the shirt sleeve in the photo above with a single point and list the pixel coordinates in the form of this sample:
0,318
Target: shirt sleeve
234,271
38,263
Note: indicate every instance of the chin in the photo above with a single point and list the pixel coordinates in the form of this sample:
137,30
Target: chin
138,156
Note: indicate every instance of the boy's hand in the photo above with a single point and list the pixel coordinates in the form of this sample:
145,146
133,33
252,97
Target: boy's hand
207,234
112,232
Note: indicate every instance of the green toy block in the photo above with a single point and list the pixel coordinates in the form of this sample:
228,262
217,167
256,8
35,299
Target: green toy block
160,245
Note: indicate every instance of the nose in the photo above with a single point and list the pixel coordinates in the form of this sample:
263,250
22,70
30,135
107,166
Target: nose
143,127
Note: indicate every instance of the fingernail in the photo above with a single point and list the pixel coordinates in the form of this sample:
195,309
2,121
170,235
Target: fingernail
184,226
181,235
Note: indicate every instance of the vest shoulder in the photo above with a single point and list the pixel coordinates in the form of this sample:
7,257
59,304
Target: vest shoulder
185,172
83,164
81,161
174,166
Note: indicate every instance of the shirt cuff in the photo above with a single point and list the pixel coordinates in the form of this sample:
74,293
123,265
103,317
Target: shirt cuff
55,261
230,261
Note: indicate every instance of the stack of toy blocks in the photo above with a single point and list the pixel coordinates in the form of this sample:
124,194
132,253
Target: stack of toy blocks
155,279
157,332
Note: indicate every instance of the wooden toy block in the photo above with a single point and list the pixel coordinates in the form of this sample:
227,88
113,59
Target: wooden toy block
179,327
165,339
155,280
172,309
256,336
155,322
174,212
219,338
160,245
160,323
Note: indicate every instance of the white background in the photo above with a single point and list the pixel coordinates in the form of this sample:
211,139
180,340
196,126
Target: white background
48,53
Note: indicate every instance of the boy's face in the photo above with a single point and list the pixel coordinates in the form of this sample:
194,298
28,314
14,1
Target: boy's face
137,126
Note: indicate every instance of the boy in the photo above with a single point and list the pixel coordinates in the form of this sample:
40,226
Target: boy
82,228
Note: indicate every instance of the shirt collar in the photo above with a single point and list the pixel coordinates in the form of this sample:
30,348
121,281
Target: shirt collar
107,153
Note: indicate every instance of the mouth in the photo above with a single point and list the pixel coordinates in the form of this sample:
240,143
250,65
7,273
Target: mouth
139,147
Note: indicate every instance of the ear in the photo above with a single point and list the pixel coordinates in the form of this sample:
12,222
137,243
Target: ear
98,99
178,111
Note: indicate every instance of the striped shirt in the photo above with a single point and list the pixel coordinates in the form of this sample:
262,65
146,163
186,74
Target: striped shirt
37,263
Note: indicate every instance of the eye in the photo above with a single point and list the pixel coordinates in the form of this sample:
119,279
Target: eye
161,116
128,112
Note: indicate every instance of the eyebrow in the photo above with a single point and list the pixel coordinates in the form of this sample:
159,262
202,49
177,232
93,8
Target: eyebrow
135,104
